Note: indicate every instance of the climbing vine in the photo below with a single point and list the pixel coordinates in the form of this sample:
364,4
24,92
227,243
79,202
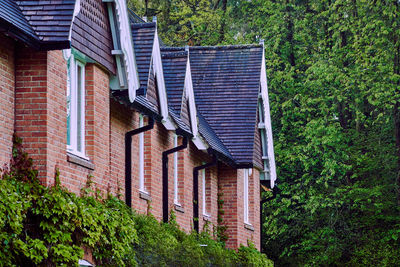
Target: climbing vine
42,226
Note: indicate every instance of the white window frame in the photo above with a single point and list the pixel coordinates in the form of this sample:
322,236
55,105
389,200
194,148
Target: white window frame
203,185
176,185
246,196
73,90
141,157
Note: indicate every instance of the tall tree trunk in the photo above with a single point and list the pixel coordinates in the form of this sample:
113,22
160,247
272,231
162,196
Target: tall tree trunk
290,34
223,22
146,11
396,111
396,119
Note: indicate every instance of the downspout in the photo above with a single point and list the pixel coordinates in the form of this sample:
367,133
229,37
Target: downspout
128,159
165,175
196,190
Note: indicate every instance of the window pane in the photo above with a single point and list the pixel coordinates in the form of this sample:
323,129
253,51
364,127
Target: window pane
203,185
79,115
261,111
246,195
141,157
176,193
68,106
264,142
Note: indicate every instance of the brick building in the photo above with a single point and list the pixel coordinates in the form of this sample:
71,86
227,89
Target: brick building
92,91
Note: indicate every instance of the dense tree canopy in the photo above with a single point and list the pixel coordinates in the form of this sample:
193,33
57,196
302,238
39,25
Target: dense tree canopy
334,74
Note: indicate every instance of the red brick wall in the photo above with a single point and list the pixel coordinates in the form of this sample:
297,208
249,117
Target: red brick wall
231,186
31,105
41,119
7,84
187,160
98,128
122,120
157,141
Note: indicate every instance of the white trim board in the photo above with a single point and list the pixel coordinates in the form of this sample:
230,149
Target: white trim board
159,74
77,9
267,118
188,87
127,48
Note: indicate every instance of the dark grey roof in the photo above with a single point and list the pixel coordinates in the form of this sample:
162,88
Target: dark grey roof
212,139
181,125
226,83
143,40
134,18
174,67
11,14
140,103
51,20
40,24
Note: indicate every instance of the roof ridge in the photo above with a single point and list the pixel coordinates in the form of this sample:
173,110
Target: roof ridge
143,25
240,46
172,48
171,55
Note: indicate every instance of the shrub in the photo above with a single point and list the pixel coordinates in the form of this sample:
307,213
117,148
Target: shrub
51,226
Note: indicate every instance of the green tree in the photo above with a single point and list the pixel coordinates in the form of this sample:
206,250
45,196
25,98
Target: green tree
333,71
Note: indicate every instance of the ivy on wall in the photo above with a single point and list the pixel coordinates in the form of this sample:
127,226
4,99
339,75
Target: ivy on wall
42,226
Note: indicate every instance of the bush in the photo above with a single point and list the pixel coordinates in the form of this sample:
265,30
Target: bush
51,226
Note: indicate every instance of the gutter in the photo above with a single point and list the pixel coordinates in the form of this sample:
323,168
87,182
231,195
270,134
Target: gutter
196,190
165,175
10,30
128,159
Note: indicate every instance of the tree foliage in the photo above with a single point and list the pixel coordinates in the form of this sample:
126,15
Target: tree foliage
334,87
333,69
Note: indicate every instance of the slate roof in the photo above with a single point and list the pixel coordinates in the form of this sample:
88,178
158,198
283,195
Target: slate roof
51,20
185,130
134,18
143,40
214,142
140,103
174,67
226,81
16,23
40,24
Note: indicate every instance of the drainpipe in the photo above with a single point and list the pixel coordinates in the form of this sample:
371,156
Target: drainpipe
196,190
165,175
128,159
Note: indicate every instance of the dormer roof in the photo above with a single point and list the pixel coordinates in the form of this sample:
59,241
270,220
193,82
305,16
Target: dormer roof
226,82
143,40
39,24
214,142
174,65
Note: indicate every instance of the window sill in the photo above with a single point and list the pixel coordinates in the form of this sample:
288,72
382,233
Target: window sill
80,161
179,208
144,195
249,227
